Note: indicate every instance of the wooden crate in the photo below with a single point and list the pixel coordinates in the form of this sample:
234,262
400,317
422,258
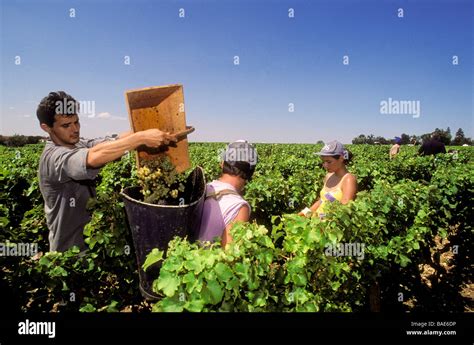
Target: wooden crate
160,107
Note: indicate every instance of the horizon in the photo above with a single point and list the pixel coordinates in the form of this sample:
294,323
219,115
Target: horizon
419,141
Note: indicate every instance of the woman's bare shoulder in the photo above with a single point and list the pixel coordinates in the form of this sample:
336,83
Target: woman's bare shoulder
350,178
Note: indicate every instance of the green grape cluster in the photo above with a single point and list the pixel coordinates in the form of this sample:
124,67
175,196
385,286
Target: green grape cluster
160,181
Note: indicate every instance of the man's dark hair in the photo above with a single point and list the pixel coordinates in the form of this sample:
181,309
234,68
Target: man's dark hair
240,159
241,169
56,103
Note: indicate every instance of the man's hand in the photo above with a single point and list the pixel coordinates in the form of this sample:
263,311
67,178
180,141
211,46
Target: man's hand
156,138
109,151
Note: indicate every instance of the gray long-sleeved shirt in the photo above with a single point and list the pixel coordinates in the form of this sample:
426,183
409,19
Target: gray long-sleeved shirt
66,185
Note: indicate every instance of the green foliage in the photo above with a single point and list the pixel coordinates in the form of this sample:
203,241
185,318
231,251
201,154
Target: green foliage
278,262
404,204
69,280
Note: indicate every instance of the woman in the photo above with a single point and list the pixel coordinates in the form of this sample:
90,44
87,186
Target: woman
395,149
339,184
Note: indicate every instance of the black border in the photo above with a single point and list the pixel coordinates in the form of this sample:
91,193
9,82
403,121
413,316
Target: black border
237,328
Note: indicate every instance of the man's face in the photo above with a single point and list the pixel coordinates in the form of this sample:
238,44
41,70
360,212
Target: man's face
65,130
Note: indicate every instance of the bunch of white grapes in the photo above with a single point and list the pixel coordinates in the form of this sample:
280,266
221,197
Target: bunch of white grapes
159,180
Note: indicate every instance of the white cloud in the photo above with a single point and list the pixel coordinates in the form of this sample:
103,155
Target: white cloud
104,115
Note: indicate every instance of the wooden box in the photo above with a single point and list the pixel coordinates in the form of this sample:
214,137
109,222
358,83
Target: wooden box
160,107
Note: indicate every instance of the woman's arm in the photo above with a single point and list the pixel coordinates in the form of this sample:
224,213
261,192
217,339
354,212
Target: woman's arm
242,216
313,209
349,189
318,202
315,206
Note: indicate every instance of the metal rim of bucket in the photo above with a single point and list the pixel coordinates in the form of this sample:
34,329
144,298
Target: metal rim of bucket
148,296
159,206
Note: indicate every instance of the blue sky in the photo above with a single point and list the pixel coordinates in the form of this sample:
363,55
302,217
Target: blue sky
282,60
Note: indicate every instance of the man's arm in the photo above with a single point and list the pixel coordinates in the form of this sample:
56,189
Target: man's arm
109,151
242,216
125,134
99,141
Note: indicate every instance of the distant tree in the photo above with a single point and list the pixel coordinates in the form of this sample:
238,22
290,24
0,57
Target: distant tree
459,138
443,135
449,137
405,139
320,142
19,140
381,140
361,139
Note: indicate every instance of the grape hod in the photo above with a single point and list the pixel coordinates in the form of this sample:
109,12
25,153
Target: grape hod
160,107
153,225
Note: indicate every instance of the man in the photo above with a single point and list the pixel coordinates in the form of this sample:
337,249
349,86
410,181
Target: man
432,146
68,166
395,149
224,203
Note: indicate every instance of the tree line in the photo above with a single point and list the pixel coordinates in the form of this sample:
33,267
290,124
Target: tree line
20,140
444,136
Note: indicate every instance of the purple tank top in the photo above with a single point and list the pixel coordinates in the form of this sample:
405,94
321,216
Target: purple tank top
217,214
